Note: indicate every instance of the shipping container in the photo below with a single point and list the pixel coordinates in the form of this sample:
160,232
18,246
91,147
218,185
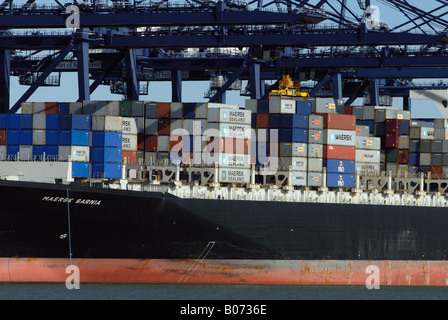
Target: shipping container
403,127
403,156
152,110
425,146
370,124
164,109
368,168
339,121
436,159
425,159
12,152
362,131
163,143
81,122
228,130
39,121
150,143
125,108
437,172
107,139
298,179
26,121
369,143
25,153
340,180
227,175
26,137
80,138
64,137
129,142
262,120
392,155
65,121
403,142
129,157
106,170
315,122
299,149
339,152
106,123
414,159
324,105
229,160
3,121
12,121
275,121
3,137
51,153
339,166
13,137
315,150
417,123
263,107
294,121
76,153
38,152
367,156
229,116
80,169
391,140
315,164
75,108
339,137
138,108
106,154
26,107
315,136
163,126
423,133
282,105
51,107
304,107
314,179
392,125
251,105
436,146
414,145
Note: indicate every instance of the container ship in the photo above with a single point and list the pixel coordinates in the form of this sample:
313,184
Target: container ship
289,190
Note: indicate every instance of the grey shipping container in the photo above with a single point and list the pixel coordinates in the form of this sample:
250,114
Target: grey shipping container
357,111
324,105
425,146
368,143
251,104
436,146
314,179
436,159
286,149
138,109
298,179
299,149
362,131
414,146
368,113
39,121
151,110
315,164
176,111
425,159
315,136
315,150
315,122
445,159
403,142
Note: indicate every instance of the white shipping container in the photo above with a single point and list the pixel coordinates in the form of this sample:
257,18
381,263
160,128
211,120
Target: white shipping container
77,153
280,105
228,130
427,133
298,179
367,168
129,125
367,156
340,137
39,137
299,164
229,160
229,116
26,153
39,121
234,175
129,142
107,123
221,105
3,153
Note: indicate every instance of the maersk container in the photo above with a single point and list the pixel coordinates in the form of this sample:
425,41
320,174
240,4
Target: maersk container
340,180
80,169
298,164
229,116
340,166
52,122
294,121
26,137
129,142
227,175
26,121
80,138
13,137
81,122
106,154
12,121
339,137
304,107
107,139
298,179
130,125
226,130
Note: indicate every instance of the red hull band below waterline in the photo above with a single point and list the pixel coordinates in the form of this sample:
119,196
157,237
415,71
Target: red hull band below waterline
327,272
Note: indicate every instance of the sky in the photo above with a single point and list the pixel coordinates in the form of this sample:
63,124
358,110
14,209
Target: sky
191,91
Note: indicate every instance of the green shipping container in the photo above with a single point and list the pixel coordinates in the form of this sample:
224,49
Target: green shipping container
392,155
125,109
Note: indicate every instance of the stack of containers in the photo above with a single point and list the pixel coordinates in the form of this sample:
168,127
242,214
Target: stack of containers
437,156
148,141
423,133
368,149
229,142
3,142
130,138
106,150
441,134
340,149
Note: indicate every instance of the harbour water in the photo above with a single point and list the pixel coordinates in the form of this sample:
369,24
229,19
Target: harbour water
192,292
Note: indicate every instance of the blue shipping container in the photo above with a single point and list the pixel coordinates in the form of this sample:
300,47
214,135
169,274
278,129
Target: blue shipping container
13,121
80,138
81,122
65,122
12,137
26,121
26,137
105,154
274,120
107,139
414,159
253,122
293,135
64,137
189,110
52,121
80,169
403,127
370,124
294,121
263,106
106,170
51,153
303,107
340,180
63,108
11,151
339,166
3,121
52,137
38,152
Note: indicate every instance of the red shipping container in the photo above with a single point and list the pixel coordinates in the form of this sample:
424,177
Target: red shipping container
141,141
403,156
339,121
391,140
391,125
164,109
3,137
263,120
130,156
163,127
151,143
51,107
339,152
437,172
348,110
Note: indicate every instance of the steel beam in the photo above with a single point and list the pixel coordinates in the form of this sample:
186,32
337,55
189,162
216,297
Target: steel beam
320,85
229,82
5,82
102,75
374,93
254,81
82,53
176,86
132,87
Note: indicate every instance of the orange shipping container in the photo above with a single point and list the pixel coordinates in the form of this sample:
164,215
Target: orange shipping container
151,143
51,107
130,156
263,120
3,137
339,152
339,121
164,109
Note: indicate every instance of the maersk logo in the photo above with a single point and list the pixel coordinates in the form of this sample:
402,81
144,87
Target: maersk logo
225,116
332,138
72,200
224,130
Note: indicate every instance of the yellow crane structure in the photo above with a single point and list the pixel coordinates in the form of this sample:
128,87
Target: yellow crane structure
288,87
